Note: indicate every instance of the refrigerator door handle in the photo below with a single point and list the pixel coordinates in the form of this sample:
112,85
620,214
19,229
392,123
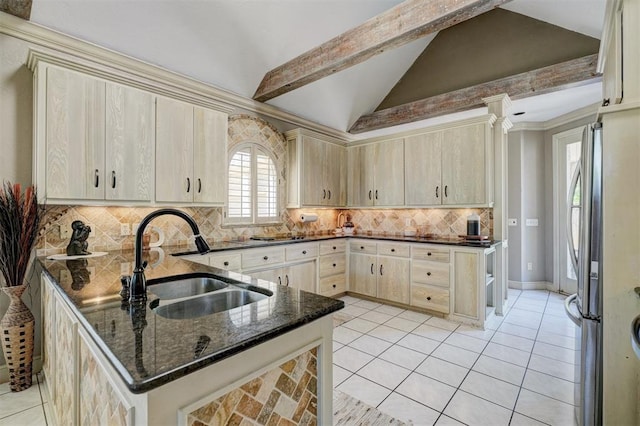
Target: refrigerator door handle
577,320
570,207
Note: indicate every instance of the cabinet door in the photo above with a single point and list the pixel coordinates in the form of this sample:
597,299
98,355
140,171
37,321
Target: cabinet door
362,274
465,284
75,124
314,191
423,169
65,371
301,276
463,165
275,275
210,156
393,279
360,180
334,178
130,142
389,173
174,151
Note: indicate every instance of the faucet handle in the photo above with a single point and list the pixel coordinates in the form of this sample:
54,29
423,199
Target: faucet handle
126,286
144,264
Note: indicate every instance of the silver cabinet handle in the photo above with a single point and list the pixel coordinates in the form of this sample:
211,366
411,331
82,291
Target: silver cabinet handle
188,184
573,317
113,179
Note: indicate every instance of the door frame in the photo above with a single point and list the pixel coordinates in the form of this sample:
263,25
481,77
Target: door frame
558,241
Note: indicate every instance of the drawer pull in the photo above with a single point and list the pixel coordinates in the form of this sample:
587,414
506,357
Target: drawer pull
334,265
429,254
334,286
226,263
393,250
428,297
304,252
335,248
361,247
265,258
428,274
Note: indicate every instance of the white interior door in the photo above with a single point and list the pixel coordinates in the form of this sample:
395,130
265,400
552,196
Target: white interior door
568,206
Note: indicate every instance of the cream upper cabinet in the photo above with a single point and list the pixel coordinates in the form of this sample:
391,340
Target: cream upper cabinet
94,139
376,174
450,167
191,159
316,171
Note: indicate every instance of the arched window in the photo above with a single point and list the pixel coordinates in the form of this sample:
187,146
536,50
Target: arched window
253,186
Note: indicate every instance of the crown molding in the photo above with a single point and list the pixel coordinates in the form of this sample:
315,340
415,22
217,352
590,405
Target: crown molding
90,56
584,112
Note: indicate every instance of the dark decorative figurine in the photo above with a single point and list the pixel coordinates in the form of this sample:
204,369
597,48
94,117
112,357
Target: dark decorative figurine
78,244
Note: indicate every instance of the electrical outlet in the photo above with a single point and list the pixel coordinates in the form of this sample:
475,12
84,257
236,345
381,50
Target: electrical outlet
530,266
65,232
532,222
124,229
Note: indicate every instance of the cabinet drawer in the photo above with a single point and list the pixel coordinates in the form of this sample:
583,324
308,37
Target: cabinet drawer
394,249
255,258
228,261
431,254
334,284
333,264
332,246
299,251
428,297
432,273
367,247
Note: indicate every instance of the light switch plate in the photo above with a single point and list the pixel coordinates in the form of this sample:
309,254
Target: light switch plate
532,222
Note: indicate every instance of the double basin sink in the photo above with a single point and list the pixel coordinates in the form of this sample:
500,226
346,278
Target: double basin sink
195,295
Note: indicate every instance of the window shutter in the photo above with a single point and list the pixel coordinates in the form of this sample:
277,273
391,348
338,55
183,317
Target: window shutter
240,185
266,187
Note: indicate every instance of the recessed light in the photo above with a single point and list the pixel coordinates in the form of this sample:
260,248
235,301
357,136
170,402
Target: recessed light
519,113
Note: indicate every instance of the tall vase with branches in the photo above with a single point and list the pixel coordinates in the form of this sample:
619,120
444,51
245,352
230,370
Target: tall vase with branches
20,218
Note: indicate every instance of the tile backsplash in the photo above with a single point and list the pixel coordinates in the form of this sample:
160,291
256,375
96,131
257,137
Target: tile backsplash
106,224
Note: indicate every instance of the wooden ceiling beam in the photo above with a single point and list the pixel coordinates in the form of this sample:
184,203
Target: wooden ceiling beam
406,22
19,8
564,75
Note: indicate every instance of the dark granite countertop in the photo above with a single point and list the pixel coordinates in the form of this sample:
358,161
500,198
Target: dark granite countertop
239,245
148,350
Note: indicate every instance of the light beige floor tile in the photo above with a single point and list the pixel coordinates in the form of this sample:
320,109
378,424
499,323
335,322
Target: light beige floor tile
433,333
493,322
15,402
494,390
520,420
557,339
340,375
345,335
367,304
513,341
387,333
443,323
404,357
535,294
4,388
443,371
348,300
389,310
427,391
417,343
31,417
47,413
364,390
447,421
354,310
472,410
544,409
466,342
562,370
44,388
384,373
505,353
467,330
402,324
549,385
456,355
554,352
360,325
407,410
516,330
370,345
564,330
351,359
336,345
502,370
414,316
377,317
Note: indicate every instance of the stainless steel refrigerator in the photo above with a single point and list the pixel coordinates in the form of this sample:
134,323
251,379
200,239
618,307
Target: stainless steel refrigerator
585,307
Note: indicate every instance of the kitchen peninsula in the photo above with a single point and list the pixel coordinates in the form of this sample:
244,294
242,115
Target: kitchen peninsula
107,361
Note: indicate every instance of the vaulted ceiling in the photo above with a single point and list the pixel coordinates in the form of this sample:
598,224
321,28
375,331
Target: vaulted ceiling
232,44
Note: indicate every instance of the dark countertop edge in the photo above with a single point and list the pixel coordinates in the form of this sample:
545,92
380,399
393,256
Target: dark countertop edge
243,245
183,371
138,387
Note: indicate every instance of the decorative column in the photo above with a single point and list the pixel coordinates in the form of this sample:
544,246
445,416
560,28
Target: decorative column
499,105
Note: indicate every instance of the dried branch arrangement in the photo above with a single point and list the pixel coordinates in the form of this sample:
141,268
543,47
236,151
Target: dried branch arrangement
20,218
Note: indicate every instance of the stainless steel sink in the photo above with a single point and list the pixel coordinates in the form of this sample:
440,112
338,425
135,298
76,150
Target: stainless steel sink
219,301
181,286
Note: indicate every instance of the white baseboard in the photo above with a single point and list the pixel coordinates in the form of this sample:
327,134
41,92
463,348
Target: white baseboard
531,285
4,371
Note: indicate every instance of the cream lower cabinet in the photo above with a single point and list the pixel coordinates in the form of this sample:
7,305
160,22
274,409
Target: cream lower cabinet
332,267
362,274
94,140
301,276
430,278
191,153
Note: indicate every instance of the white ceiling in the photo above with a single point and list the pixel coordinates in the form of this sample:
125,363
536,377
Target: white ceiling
232,43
